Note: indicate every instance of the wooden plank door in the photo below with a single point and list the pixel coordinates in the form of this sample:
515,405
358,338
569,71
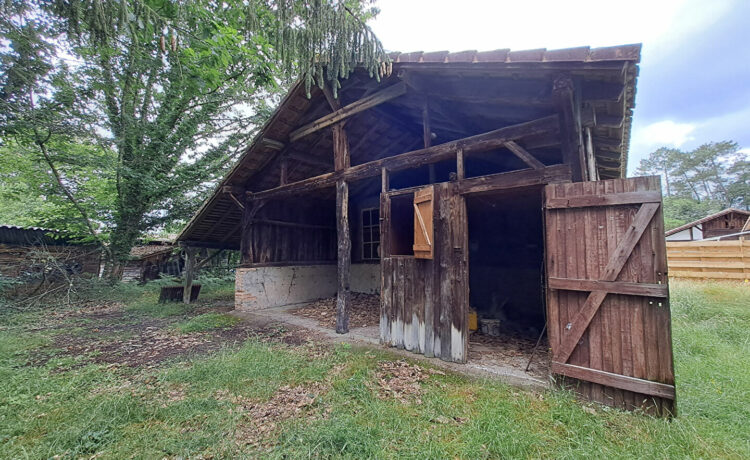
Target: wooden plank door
424,297
607,295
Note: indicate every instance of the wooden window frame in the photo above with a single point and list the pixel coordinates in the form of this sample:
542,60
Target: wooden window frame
373,242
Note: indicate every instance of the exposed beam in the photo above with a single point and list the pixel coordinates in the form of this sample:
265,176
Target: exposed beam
570,127
272,144
281,223
208,245
332,101
480,142
343,113
514,179
525,156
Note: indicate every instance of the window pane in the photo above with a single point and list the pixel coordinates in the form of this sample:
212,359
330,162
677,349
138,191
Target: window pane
368,251
375,216
376,251
366,235
375,234
366,217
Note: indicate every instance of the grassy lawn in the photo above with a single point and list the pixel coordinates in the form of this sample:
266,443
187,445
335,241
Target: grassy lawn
81,383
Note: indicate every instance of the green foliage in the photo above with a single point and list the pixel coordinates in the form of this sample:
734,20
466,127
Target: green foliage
167,93
206,322
703,181
27,182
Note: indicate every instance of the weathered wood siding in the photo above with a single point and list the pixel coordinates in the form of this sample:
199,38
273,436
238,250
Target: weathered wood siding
424,302
727,224
605,246
28,260
303,232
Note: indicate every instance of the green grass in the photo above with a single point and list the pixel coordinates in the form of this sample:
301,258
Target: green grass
206,322
177,409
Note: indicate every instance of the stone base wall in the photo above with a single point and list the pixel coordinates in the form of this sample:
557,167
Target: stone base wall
266,287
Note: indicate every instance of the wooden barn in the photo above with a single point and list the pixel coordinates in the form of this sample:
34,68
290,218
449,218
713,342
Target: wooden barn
724,224
151,260
483,181
36,254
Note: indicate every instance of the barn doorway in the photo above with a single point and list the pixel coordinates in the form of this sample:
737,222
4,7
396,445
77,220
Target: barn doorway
506,272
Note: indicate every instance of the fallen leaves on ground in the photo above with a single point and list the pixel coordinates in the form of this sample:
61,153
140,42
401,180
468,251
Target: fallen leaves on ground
260,419
401,381
364,310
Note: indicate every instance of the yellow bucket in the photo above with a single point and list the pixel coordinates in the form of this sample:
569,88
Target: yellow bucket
473,323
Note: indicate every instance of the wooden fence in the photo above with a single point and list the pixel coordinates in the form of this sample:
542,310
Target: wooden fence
718,260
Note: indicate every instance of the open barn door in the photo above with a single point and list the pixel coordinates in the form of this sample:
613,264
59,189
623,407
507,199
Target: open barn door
607,294
424,296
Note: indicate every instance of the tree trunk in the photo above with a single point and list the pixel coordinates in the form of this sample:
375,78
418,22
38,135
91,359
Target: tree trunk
189,273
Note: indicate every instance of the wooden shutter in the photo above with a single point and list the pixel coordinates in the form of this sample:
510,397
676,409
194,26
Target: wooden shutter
607,294
423,228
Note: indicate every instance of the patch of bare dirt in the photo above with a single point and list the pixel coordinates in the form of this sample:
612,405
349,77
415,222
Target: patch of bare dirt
261,419
364,311
401,381
311,342
510,350
110,335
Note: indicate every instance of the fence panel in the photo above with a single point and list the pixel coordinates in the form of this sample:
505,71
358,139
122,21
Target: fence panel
718,260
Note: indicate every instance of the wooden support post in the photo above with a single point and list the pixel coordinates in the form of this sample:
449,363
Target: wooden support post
344,256
384,181
340,148
341,162
189,273
570,127
252,206
460,172
284,170
590,157
427,136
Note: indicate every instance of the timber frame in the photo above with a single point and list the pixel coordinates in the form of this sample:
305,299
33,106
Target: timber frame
441,129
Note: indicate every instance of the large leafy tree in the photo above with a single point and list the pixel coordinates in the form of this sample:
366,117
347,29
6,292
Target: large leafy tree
714,176
172,88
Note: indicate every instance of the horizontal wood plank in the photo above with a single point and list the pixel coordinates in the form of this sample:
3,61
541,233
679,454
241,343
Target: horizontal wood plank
651,196
610,379
514,179
611,287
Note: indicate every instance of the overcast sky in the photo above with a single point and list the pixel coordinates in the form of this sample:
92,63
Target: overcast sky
694,82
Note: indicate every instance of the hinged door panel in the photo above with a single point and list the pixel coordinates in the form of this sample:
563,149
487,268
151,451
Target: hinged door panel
607,295
424,297
423,225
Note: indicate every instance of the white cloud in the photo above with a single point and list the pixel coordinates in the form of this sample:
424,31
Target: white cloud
434,25
665,133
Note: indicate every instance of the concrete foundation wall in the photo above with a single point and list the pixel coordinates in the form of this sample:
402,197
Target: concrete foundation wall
266,287
365,278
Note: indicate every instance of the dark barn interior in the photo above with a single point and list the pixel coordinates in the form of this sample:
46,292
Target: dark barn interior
506,259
